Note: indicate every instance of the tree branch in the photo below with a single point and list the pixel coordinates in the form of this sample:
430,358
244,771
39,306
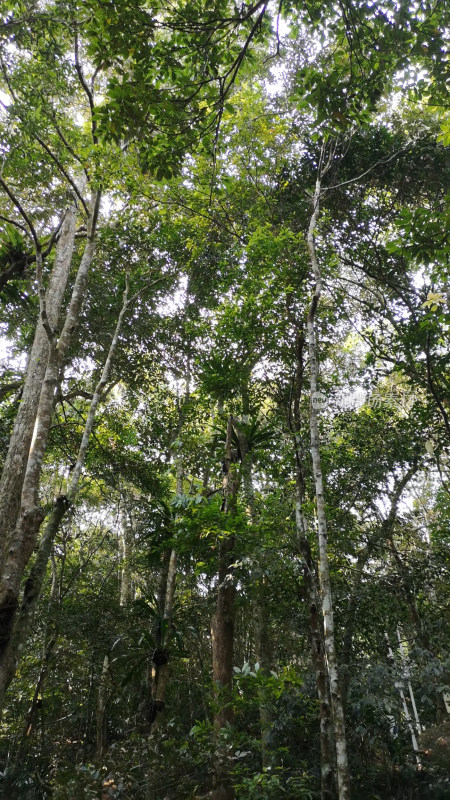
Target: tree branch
86,89
22,213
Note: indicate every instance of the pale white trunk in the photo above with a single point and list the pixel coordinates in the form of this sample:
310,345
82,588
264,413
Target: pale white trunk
407,676
97,396
19,446
317,647
222,629
172,573
160,672
405,709
56,361
33,586
13,649
22,539
324,567
163,673
125,552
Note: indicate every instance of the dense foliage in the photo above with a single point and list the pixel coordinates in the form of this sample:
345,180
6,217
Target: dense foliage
224,400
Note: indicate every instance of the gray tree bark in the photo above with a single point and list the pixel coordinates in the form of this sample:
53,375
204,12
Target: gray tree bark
263,650
222,625
310,591
13,473
21,624
324,566
125,554
21,540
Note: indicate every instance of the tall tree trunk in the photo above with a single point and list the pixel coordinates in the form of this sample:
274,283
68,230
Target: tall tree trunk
33,586
263,655
317,649
161,656
31,593
263,650
125,553
102,701
23,538
49,643
222,625
311,589
159,664
160,669
12,477
324,566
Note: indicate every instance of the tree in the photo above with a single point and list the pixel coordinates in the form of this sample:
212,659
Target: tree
222,561
82,164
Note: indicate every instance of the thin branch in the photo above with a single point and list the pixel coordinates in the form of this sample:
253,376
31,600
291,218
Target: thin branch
66,144
22,213
234,69
53,238
42,298
277,35
63,171
7,388
41,142
87,90
13,222
368,171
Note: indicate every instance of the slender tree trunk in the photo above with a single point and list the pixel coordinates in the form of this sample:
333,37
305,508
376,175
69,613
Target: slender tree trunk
222,626
311,589
324,566
50,640
316,637
222,631
159,666
161,657
31,593
318,658
263,655
125,553
102,701
222,637
263,650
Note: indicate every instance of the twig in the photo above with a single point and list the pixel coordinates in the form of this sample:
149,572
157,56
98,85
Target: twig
88,91
22,213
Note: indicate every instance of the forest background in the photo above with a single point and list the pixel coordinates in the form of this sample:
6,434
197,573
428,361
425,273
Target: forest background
224,400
